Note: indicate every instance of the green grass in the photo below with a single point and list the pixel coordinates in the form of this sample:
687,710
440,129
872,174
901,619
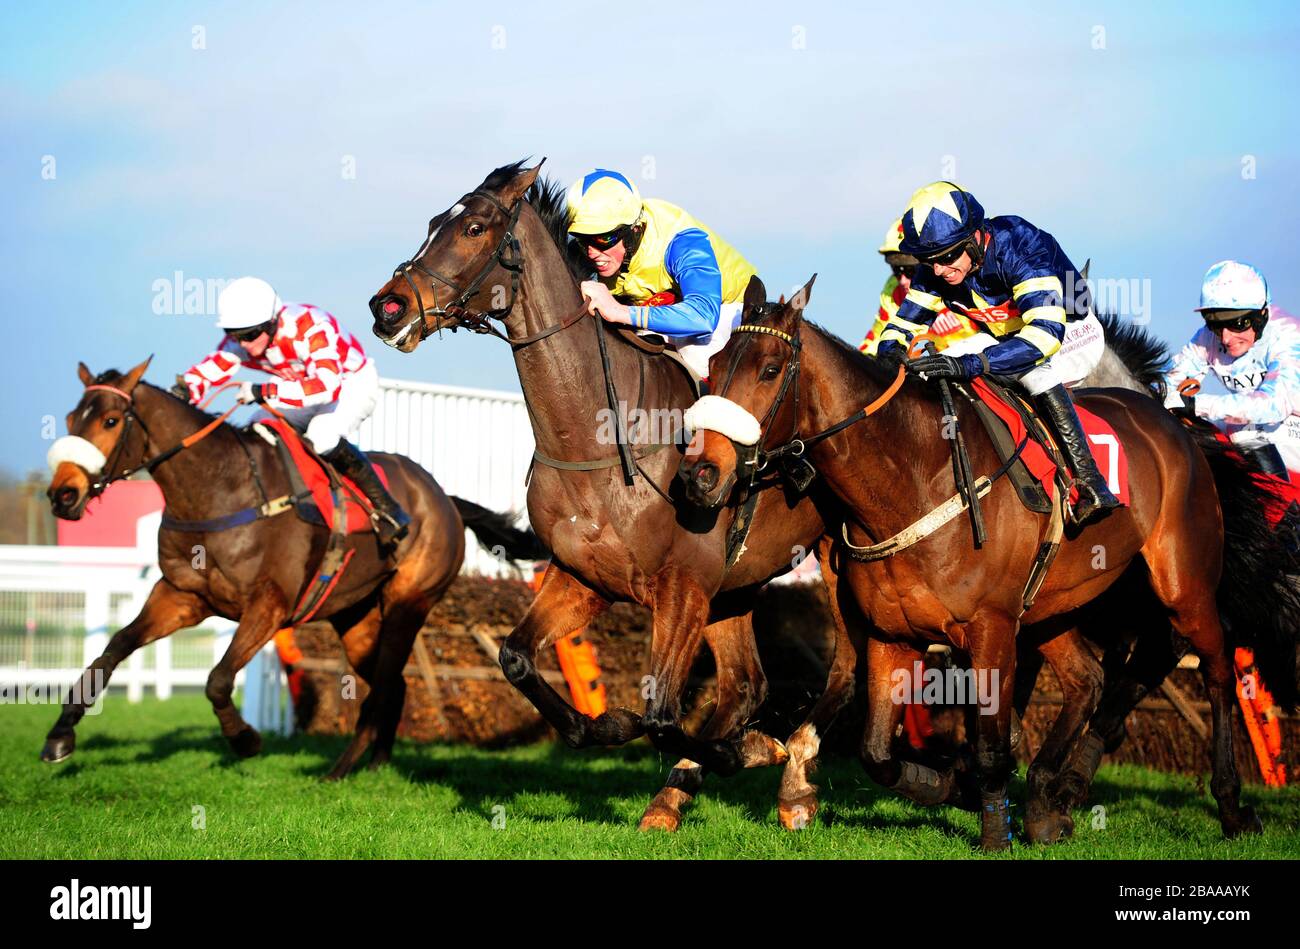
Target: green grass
139,770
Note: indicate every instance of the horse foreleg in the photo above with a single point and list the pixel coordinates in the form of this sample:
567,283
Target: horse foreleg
1126,680
166,610
886,663
991,635
562,605
1079,674
797,802
741,688
266,614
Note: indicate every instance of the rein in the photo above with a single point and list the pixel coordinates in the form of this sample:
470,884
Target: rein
797,445
969,491
101,484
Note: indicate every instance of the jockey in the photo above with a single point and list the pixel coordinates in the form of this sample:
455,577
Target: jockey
947,326
660,269
1049,340
324,384
1256,354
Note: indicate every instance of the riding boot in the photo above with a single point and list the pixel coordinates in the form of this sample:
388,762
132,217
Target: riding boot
1095,497
391,522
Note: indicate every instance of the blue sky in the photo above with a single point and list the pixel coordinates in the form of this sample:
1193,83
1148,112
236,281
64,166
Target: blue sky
1153,138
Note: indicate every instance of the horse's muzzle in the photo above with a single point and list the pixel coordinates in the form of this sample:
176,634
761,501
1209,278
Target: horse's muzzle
701,483
67,502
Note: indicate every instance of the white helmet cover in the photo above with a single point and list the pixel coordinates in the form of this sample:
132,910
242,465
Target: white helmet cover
248,301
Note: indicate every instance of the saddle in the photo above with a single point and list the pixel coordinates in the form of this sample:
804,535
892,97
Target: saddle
1008,417
311,486
655,345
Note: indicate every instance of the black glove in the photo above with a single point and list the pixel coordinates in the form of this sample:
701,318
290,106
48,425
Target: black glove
260,392
180,390
891,355
939,367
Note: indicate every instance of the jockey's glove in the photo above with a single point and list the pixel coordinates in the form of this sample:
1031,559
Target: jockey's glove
250,392
180,390
892,355
939,366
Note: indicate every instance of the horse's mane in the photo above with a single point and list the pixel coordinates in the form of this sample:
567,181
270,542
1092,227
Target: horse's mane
1141,353
111,377
549,199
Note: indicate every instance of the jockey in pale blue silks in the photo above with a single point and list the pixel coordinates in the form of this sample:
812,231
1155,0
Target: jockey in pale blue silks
1254,350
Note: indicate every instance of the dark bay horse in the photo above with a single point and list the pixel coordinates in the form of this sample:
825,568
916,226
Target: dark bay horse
893,467
258,572
500,254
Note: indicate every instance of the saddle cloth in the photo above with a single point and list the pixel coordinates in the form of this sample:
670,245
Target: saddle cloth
317,482
1111,458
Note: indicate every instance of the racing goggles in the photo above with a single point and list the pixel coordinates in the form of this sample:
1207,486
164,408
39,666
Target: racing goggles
1236,320
944,258
250,333
602,241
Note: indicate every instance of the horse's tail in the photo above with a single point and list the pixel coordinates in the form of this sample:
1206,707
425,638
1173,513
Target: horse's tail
497,532
1258,598
1144,356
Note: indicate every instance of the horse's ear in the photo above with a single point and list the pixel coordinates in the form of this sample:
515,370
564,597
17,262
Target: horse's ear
755,293
132,378
800,300
518,186
85,375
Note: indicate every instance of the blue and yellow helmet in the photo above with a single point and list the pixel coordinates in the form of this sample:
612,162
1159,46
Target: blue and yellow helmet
602,201
939,217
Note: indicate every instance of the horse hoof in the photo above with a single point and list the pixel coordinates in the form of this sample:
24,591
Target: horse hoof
58,748
1049,829
759,751
616,727
665,811
1247,822
995,844
797,814
247,743
657,817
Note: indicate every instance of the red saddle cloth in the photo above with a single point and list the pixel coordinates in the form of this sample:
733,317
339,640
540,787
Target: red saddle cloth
318,482
1280,493
1112,460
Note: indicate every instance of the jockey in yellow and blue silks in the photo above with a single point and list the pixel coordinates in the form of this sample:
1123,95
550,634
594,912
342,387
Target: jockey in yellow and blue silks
1032,305
947,326
660,269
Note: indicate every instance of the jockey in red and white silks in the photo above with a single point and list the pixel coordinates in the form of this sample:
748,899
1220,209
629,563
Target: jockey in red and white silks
325,385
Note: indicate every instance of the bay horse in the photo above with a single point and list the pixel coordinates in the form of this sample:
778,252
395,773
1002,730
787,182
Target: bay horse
257,572
889,469
501,254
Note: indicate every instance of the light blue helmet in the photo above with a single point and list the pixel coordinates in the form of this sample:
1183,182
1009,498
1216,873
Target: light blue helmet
1232,285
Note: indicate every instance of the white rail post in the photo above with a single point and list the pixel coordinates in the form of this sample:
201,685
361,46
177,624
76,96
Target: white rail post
96,617
135,677
162,657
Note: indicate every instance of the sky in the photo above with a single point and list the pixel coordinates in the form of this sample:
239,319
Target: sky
310,144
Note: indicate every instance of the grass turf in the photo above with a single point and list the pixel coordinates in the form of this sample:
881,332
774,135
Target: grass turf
140,771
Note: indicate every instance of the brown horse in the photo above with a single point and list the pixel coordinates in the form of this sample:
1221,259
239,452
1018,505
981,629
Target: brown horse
257,572
890,468
500,254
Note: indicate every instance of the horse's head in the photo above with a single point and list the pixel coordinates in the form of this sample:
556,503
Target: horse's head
755,376
465,272
104,436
